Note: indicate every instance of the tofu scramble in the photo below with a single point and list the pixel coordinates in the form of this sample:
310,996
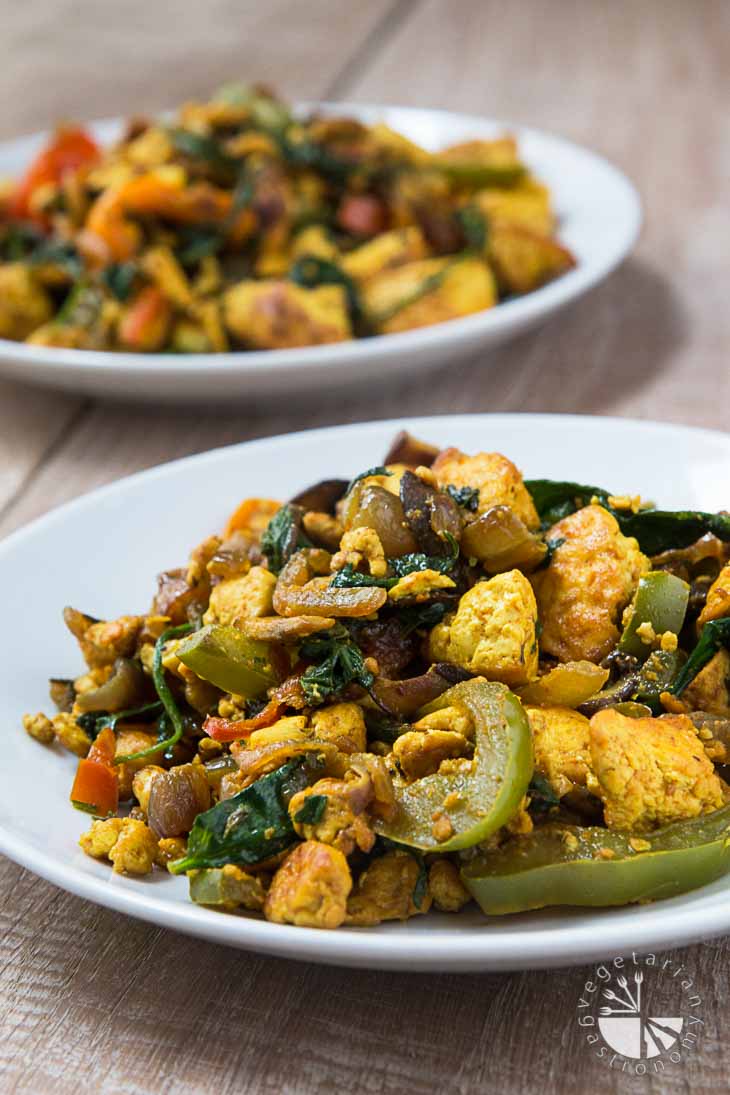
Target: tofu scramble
238,226
439,683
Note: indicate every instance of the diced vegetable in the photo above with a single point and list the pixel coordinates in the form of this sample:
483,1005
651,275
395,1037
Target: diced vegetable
568,865
227,658
481,794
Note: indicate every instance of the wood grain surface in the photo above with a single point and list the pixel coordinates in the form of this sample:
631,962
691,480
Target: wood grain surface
93,1002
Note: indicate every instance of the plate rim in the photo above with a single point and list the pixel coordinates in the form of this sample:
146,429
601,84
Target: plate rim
520,312
438,949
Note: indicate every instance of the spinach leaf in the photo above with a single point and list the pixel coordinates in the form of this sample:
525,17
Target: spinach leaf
93,722
82,307
656,530
338,662
542,796
349,578
197,242
418,560
715,634
310,271
282,537
466,497
19,241
379,470
57,253
248,827
307,153
473,224
659,530
199,147
312,811
119,278
555,500
421,616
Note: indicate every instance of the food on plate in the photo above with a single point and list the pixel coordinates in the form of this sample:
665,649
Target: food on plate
239,225
436,683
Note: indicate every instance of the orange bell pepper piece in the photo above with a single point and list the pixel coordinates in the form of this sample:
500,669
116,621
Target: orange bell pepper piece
144,325
96,787
252,516
68,150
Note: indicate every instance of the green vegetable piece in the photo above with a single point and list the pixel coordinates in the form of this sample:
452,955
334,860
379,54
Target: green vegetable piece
214,886
661,601
281,538
339,662
480,174
656,530
564,865
473,224
229,660
656,676
311,271
715,634
542,795
418,560
487,792
93,722
312,811
171,713
249,827
119,278
466,497
208,149
349,578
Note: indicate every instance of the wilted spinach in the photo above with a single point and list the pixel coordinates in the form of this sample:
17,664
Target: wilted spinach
338,661
282,537
466,497
249,827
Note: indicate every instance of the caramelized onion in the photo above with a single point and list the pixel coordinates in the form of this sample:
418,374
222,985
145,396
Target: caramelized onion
501,541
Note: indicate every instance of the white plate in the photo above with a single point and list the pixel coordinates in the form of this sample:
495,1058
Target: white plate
599,213
101,554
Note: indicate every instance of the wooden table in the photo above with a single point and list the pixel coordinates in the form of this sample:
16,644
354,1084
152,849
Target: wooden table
93,1002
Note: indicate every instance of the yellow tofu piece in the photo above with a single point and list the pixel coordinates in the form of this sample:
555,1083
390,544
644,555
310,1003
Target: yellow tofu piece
431,291
248,595
500,152
314,240
388,251
493,631
562,743
718,598
526,205
273,315
496,478
651,771
590,580
523,260
24,303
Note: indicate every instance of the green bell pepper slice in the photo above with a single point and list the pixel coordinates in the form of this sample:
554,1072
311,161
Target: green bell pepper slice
568,865
475,174
229,660
479,795
661,601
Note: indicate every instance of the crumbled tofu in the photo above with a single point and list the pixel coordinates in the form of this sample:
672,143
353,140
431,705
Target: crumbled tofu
39,727
493,631
248,596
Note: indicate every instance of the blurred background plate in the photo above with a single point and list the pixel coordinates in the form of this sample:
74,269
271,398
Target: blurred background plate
599,215
101,554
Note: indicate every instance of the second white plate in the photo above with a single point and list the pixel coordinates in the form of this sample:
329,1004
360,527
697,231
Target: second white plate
599,212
